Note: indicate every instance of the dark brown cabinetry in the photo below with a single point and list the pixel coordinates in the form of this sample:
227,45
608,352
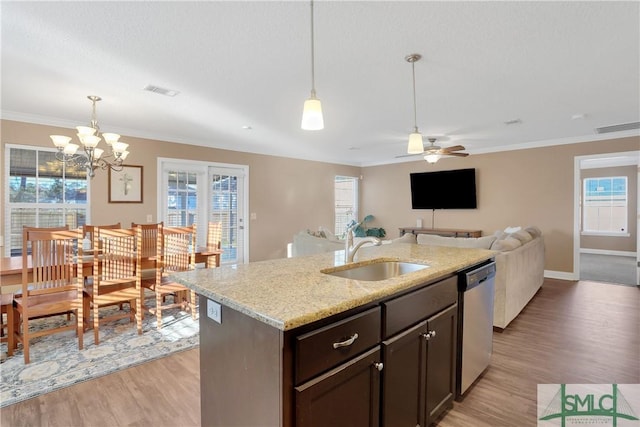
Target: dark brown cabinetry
391,363
419,362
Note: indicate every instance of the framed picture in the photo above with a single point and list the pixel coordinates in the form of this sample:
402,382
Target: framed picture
125,186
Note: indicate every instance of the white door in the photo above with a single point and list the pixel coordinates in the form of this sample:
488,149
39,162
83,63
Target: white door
199,192
227,204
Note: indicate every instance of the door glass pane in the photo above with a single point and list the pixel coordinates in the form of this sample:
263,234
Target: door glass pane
182,200
224,208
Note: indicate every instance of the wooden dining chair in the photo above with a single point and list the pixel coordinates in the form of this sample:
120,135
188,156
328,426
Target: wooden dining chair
149,238
176,252
89,229
214,238
54,288
116,276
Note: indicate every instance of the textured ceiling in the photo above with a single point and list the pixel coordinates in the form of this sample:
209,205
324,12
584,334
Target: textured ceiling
244,63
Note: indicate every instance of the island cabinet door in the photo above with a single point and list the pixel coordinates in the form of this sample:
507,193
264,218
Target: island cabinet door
346,396
404,378
441,362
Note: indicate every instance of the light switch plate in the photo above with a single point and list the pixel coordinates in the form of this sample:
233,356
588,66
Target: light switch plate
214,311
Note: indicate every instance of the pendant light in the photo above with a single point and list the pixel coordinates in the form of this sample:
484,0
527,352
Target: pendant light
416,145
312,112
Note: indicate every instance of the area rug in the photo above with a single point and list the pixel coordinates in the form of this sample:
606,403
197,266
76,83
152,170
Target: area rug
56,361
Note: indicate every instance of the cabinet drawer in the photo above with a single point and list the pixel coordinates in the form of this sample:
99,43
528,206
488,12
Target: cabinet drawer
327,347
404,311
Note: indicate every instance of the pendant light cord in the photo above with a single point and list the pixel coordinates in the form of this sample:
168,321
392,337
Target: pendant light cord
415,116
313,75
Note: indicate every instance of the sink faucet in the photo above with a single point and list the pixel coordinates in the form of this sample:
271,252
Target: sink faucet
350,250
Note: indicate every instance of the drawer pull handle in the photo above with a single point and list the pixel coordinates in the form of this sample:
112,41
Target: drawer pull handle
346,343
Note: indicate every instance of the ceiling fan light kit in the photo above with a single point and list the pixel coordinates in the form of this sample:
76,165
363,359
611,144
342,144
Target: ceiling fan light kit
312,112
432,153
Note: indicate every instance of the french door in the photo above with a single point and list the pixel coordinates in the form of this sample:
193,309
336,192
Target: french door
199,192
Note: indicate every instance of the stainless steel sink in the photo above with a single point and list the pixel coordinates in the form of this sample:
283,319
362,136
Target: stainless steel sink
378,270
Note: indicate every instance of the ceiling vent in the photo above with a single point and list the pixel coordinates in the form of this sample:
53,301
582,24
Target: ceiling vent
618,128
160,90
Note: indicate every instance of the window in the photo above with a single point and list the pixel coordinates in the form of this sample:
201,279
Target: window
346,202
604,209
41,192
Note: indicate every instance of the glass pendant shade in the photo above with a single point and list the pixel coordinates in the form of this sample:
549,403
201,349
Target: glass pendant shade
71,149
60,141
85,130
312,115
415,143
432,158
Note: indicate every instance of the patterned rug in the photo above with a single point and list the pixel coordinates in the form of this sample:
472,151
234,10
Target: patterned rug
56,361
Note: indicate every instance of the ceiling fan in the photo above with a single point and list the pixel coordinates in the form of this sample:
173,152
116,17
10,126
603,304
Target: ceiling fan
433,152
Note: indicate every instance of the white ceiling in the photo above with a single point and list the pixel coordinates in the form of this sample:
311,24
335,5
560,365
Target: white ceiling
245,63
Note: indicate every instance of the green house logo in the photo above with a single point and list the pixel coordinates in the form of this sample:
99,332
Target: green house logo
591,404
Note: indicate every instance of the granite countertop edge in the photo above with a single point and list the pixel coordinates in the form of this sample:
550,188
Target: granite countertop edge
290,292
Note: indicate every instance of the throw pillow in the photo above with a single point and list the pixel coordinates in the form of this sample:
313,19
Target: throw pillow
522,235
534,231
507,244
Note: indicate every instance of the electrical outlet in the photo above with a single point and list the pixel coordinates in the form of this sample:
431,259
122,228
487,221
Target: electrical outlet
214,311
254,215
149,218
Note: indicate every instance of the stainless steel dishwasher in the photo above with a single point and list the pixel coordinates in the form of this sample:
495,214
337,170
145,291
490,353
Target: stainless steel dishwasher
476,287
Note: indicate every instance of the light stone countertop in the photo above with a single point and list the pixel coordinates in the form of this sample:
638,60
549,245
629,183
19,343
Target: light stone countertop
290,292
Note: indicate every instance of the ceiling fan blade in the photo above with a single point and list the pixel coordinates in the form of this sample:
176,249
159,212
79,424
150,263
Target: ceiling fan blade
454,148
456,154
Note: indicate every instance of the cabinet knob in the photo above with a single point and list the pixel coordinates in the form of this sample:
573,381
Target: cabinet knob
427,336
346,343
378,366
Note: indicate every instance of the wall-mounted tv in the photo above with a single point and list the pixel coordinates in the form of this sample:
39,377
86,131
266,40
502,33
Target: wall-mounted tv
452,189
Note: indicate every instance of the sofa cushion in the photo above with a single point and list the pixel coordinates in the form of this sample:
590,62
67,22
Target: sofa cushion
459,242
508,244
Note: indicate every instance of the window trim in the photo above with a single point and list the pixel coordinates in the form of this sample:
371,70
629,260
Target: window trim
6,232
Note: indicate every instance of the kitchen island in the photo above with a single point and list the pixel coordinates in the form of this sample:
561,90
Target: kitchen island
280,338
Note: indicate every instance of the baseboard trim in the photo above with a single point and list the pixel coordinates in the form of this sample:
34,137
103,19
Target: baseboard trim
607,252
561,275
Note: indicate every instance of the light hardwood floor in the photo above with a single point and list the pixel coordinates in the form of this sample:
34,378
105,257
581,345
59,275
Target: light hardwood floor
571,332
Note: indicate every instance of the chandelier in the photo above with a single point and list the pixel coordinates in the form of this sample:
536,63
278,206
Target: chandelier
92,158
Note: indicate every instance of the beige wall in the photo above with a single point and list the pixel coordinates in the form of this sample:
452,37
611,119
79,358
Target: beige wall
621,243
521,187
287,195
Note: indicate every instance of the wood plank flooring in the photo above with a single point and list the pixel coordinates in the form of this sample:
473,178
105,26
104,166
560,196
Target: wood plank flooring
571,332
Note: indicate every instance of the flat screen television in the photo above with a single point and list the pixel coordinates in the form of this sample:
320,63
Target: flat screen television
452,189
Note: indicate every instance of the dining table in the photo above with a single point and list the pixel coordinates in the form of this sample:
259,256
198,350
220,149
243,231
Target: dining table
11,267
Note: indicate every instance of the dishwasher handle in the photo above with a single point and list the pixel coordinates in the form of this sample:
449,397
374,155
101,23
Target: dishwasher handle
480,275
